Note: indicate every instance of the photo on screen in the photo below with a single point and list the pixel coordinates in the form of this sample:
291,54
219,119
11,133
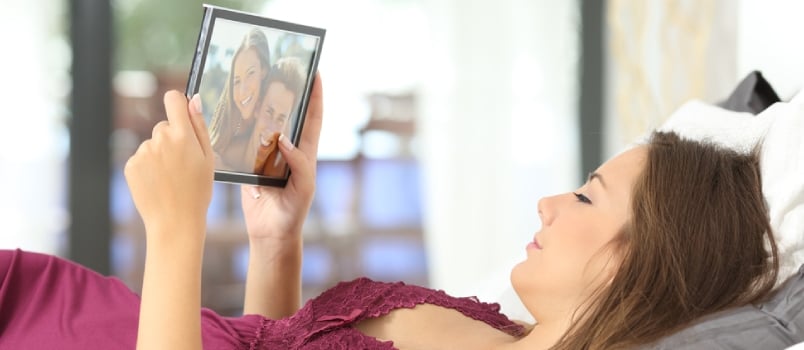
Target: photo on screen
254,76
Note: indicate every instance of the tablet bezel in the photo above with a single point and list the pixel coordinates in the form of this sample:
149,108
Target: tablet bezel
211,15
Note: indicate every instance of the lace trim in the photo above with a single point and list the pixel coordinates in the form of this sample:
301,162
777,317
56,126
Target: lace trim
334,311
259,335
351,302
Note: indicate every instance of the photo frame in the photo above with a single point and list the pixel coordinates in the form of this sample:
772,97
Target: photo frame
254,75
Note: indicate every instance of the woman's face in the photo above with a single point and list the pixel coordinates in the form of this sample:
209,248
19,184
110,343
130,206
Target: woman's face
570,256
247,75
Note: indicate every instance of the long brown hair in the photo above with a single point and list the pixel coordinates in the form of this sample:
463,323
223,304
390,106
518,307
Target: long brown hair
699,241
227,116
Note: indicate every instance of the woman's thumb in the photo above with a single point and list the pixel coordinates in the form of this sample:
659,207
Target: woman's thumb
195,105
294,158
199,125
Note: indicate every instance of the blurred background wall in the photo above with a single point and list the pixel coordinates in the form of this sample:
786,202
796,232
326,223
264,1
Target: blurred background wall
34,138
446,121
664,53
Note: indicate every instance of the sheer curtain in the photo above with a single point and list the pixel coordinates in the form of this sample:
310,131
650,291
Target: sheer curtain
498,129
34,139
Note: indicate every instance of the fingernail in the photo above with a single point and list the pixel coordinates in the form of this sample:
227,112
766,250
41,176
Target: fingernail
196,100
255,192
286,142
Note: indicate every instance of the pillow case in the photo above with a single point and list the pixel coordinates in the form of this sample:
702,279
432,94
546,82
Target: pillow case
782,167
776,324
701,121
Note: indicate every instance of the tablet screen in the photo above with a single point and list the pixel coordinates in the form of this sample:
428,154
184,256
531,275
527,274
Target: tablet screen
254,76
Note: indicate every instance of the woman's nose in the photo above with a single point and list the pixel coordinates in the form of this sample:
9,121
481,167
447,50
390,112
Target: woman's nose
547,210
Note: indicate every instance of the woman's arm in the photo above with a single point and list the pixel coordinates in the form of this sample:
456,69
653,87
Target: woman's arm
274,219
170,313
170,178
273,280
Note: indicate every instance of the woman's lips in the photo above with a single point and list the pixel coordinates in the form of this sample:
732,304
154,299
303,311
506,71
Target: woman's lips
246,101
534,245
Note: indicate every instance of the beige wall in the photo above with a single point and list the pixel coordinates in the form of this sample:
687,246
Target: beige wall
661,54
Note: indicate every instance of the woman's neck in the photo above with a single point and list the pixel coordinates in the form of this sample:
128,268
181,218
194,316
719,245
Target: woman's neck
551,326
543,336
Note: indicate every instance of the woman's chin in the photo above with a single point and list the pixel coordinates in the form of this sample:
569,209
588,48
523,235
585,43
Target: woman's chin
518,273
245,111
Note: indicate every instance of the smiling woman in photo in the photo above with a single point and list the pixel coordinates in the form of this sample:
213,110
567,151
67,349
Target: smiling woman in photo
232,121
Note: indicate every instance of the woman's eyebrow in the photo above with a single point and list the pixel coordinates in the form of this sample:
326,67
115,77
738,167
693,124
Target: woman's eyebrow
594,175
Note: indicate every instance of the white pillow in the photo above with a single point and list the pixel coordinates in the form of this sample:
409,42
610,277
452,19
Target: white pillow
697,120
799,346
782,167
781,129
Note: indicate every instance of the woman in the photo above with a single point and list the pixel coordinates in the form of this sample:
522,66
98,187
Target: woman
232,122
659,236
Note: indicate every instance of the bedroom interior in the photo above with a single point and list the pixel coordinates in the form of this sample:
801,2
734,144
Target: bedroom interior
442,107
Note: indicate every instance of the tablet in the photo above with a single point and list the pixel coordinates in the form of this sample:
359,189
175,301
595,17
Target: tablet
254,75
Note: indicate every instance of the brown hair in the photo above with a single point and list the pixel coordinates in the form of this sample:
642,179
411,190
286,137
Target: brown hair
226,116
699,241
288,72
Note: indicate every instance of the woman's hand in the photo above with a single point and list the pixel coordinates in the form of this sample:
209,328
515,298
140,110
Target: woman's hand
170,178
170,175
274,219
277,214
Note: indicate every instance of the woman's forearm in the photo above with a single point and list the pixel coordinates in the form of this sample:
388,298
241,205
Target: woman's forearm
170,313
273,280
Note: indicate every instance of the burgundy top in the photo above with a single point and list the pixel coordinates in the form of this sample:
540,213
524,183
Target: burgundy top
50,303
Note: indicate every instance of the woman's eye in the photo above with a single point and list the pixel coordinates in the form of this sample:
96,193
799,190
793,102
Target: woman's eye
582,198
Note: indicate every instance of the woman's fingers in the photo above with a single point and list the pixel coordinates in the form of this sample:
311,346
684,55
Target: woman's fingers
170,175
297,161
199,125
185,120
311,131
177,113
251,191
159,128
